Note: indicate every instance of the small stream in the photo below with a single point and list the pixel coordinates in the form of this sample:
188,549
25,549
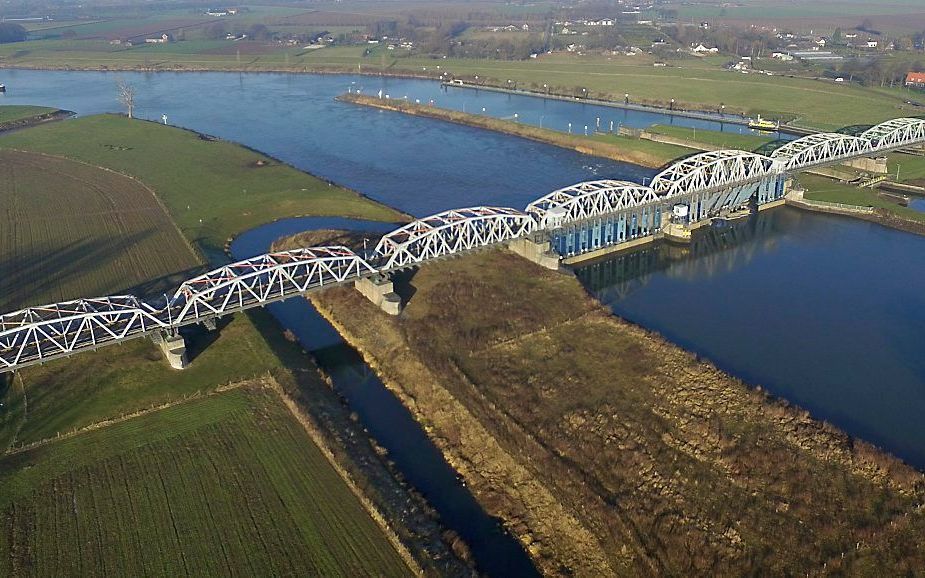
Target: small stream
496,552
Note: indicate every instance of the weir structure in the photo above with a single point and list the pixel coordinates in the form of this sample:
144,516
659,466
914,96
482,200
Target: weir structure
577,220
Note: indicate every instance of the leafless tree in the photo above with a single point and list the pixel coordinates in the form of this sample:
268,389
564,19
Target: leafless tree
126,96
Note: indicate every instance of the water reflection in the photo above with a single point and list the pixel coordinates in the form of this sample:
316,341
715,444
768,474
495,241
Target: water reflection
826,312
712,251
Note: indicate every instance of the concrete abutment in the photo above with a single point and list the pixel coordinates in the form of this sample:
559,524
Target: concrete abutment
174,348
381,291
540,252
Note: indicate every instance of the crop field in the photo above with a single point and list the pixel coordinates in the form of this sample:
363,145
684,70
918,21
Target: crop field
225,484
71,230
890,16
201,174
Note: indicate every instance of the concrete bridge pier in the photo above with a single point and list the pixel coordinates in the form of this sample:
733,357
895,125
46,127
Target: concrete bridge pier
174,348
875,165
381,291
540,252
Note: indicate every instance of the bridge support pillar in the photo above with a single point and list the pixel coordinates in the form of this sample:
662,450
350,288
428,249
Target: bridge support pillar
381,291
540,253
876,165
174,348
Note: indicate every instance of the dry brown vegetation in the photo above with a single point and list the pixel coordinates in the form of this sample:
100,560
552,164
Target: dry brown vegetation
70,230
607,450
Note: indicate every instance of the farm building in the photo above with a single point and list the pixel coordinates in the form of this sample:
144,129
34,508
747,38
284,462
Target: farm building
915,79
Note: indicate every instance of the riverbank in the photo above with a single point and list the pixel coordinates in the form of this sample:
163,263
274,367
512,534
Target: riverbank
694,86
832,197
606,449
18,117
625,149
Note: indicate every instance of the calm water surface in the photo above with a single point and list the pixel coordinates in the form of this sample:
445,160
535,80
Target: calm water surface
826,312
418,165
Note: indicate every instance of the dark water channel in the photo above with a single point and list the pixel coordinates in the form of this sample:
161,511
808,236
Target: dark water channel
496,552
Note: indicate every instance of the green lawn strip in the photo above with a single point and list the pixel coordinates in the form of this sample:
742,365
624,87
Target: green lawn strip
663,151
226,186
822,189
908,167
726,140
120,379
210,486
14,112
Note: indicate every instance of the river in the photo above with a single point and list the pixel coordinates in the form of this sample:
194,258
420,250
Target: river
824,311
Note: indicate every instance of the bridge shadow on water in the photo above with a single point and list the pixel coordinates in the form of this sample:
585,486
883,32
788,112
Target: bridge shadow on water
711,250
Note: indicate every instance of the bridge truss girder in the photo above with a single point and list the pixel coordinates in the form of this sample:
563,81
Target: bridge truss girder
451,232
896,133
264,279
712,170
587,200
37,334
819,149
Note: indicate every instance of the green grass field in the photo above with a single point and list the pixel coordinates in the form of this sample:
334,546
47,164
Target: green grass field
219,182
826,190
745,142
14,112
72,230
228,484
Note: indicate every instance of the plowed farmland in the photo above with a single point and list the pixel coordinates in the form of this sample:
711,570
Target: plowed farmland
69,229
229,484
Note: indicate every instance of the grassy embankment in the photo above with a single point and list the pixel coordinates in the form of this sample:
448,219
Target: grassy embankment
213,189
223,484
608,451
713,138
118,216
642,152
887,211
694,84
21,116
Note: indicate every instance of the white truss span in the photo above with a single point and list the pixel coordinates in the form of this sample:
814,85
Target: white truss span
451,232
712,170
38,333
896,133
263,279
589,199
821,148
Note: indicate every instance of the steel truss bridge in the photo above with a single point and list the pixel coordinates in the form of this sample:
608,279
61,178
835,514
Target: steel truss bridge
576,219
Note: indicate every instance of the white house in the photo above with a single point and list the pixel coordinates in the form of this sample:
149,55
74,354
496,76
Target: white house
872,43
701,49
163,39
782,56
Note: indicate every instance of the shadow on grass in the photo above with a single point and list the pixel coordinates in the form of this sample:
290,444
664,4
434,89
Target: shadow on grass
41,271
